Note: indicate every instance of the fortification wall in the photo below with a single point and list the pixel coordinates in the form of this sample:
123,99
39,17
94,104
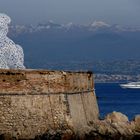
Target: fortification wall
34,101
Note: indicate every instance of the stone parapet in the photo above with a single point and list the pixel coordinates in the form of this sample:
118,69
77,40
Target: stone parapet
33,102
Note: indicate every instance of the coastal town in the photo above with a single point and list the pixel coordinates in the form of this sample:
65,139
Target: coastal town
115,78
104,71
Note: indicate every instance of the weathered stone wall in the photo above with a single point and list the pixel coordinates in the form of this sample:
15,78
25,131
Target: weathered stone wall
35,101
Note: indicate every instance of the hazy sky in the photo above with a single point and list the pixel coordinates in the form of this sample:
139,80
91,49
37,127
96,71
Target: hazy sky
126,12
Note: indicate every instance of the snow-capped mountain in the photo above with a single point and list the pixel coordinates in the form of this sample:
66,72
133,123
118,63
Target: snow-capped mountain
51,41
96,26
99,24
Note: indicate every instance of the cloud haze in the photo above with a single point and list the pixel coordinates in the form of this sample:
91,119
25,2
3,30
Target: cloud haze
78,11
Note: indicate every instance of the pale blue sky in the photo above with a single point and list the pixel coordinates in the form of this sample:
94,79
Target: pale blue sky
126,12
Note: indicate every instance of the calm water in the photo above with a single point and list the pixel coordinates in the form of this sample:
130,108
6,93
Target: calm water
111,97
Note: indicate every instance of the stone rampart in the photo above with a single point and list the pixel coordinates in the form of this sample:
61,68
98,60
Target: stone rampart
35,101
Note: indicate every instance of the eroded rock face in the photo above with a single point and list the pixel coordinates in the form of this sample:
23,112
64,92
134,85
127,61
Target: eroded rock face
137,123
116,117
115,127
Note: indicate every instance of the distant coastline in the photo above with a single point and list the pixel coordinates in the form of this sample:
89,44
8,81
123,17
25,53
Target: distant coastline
115,78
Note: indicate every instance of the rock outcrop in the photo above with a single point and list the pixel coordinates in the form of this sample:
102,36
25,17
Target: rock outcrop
115,126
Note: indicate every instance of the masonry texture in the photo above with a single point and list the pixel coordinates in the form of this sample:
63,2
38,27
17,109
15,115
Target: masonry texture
35,101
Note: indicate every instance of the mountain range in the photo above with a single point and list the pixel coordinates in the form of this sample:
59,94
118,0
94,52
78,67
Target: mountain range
53,42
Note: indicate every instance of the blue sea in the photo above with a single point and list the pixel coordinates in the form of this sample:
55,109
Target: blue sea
111,97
